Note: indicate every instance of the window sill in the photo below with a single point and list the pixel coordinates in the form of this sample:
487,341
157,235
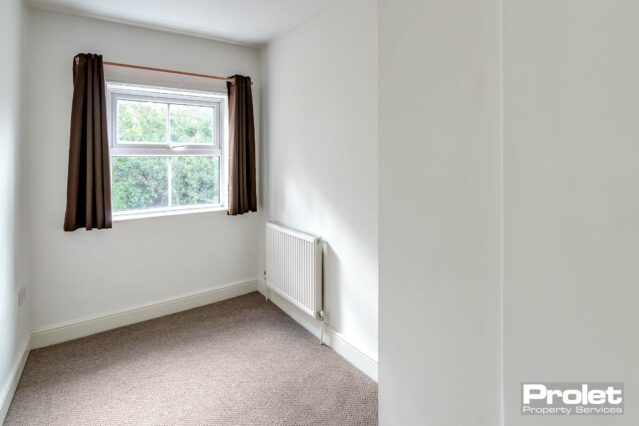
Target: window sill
148,215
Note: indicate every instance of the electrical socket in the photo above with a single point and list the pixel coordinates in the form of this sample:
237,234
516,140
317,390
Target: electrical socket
22,295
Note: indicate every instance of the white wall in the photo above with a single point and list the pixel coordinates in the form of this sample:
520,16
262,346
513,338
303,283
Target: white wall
14,319
83,273
571,180
320,155
440,202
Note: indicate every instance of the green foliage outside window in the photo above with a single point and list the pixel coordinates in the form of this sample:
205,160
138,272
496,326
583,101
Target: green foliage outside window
142,182
142,122
139,183
195,180
191,124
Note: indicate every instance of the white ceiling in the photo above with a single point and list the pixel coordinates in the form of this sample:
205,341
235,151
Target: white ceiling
250,22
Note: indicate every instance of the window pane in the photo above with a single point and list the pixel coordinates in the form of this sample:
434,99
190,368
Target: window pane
191,124
141,122
139,182
196,180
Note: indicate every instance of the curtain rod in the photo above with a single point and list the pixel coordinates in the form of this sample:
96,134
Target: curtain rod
191,74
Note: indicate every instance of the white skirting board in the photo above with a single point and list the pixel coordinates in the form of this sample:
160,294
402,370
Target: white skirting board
9,387
332,338
62,332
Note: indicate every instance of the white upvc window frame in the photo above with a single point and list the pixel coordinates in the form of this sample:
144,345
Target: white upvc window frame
219,101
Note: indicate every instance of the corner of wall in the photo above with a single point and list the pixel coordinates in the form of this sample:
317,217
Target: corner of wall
15,279
332,338
10,384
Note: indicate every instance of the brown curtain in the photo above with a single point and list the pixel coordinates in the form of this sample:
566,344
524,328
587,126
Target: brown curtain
89,178
242,181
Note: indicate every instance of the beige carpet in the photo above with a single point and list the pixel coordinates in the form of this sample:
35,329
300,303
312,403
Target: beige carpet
237,362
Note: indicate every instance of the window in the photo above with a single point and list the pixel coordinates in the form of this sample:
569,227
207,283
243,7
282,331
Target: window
167,149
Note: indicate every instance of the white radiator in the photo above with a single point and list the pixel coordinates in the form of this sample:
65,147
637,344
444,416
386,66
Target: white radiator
294,267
